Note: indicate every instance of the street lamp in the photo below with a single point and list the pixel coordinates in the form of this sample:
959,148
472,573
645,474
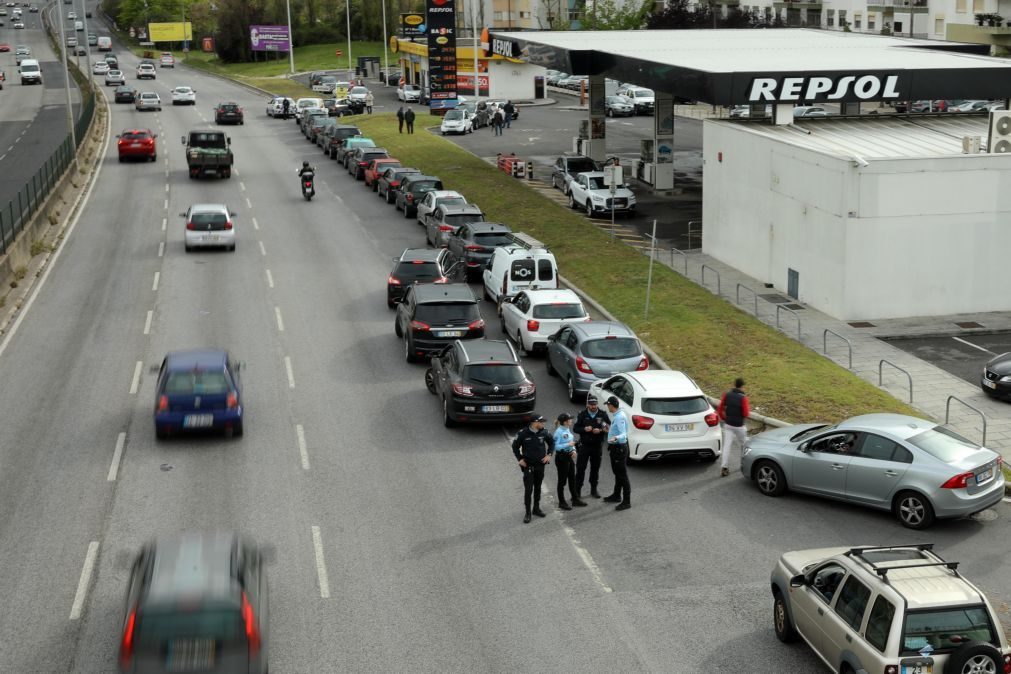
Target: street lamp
386,54
473,21
66,67
291,51
347,6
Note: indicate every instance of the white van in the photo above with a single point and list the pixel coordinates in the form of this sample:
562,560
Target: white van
104,43
79,26
30,72
525,263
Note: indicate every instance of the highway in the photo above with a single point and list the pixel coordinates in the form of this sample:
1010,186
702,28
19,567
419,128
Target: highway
399,543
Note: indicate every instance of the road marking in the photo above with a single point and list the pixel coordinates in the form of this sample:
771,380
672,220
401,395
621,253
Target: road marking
277,315
2,156
166,203
263,251
161,248
291,373
317,543
256,225
10,148
147,322
242,186
157,276
164,224
116,455
85,580
135,382
300,433
249,203
166,189
270,279
975,346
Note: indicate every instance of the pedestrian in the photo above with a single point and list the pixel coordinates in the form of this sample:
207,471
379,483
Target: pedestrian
617,447
508,109
591,427
565,461
369,102
400,118
733,410
409,118
498,120
532,447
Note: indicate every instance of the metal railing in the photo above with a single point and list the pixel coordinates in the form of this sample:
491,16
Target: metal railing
908,376
737,294
947,412
718,282
780,307
824,344
682,254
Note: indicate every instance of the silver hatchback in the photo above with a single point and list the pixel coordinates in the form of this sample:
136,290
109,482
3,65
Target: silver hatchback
914,468
582,353
209,226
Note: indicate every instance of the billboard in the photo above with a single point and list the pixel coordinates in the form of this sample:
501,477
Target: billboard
170,32
441,25
412,25
465,84
268,38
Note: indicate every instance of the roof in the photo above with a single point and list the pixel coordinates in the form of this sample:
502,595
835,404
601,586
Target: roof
603,328
547,296
428,254
665,382
488,350
486,227
432,293
209,208
192,564
197,358
896,425
921,576
456,209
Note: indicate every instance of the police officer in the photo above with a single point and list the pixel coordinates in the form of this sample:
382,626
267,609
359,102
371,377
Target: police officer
591,427
285,107
617,447
533,447
565,461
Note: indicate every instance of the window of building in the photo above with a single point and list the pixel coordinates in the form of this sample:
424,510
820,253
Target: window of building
938,25
978,6
842,18
870,21
961,6
830,18
858,20
524,15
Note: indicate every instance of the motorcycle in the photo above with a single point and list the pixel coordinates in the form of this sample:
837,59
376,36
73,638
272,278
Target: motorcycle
308,190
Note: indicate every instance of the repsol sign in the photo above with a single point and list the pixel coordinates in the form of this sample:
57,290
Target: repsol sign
838,88
503,48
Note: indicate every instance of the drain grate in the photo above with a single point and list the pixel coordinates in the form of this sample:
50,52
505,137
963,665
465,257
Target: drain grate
793,307
969,324
861,324
775,299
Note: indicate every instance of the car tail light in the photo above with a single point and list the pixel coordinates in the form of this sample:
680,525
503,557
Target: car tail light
712,419
447,228
393,281
641,422
228,225
643,364
252,630
418,326
533,326
958,482
481,248
190,226
463,390
476,325
583,366
126,645
891,669
363,163
394,183
163,403
1007,664
527,389
232,401
410,197
441,279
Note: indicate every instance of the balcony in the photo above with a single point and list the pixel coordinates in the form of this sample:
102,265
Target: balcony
900,6
993,35
797,4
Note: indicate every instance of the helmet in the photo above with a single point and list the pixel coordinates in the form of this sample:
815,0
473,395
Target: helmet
305,164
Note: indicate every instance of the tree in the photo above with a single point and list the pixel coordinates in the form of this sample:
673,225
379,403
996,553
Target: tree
678,14
610,15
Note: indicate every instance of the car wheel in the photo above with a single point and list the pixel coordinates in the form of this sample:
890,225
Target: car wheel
407,213
390,201
610,113
237,430
975,657
154,157
232,248
447,421
375,186
408,351
160,433
430,381
770,478
552,372
589,209
519,344
572,202
397,330
781,620
189,249
573,395
914,510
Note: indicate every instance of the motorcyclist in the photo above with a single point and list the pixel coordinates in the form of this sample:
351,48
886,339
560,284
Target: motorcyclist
285,106
306,169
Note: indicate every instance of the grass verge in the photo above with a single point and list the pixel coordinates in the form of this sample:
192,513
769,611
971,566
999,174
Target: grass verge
309,57
690,328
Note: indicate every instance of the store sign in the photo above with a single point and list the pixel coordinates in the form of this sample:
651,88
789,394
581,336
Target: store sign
844,88
505,48
268,38
441,24
465,84
412,25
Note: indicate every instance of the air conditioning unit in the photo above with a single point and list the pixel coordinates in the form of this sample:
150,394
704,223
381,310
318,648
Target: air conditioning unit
971,144
999,140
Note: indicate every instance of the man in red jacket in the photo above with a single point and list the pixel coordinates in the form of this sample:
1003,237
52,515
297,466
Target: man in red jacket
733,410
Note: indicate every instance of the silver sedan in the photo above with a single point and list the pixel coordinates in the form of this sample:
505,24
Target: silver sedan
914,468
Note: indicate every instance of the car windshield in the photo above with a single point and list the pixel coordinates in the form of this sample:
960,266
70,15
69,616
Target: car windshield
197,382
448,313
359,90
559,310
581,165
450,201
611,348
492,239
397,175
457,219
140,135
943,444
29,67
642,93
182,90
595,183
424,186
494,373
946,629
154,629
674,406
417,270
454,115
209,220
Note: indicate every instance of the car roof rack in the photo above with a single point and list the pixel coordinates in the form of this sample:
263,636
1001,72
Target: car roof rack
883,570
526,241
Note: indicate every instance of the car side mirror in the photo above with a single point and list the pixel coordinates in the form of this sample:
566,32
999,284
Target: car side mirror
184,140
798,581
154,135
228,141
182,215
232,213
805,447
119,135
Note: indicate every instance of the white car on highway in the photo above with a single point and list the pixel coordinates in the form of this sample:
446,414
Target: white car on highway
531,316
100,68
114,78
184,96
668,414
148,100
146,71
275,106
588,191
209,226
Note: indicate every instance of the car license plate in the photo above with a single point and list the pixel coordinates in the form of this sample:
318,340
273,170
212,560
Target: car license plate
211,237
990,384
135,145
449,333
198,420
678,428
917,669
494,408
190,655
984,475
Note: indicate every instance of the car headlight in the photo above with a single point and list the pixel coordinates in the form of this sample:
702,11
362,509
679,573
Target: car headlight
1006,379
596,197
746,449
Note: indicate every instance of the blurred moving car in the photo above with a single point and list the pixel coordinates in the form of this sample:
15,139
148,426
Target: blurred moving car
209,226
167,60
618,106
198,389
137,144
582,353
229,112
125,94
409,93
184,96
148,100
146,71
114,78
100,68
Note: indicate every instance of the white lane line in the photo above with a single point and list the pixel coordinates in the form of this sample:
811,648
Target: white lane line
10,148
263,250
317,543
2,156
249,204
147,322
161,248
157,277
256,225
116,456
302,451
280,322
166,203
270,279
166,189
975,346
85,580
164,224
242,186
291,373
135,382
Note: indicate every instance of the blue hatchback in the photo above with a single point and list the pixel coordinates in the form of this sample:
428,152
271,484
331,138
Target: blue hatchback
198,390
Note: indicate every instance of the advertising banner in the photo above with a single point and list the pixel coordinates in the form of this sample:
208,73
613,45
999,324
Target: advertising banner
268,38
412,25
441,25
465,84
170,32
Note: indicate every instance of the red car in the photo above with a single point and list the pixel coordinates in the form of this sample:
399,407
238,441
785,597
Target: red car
376,167
137,144
4,46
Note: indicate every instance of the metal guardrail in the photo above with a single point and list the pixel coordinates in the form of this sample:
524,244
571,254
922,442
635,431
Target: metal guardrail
682,254
737,294
795,315
718,282
908,376
947,411
824,343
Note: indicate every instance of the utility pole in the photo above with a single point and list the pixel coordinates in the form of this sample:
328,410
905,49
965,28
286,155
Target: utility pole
291,50
66,72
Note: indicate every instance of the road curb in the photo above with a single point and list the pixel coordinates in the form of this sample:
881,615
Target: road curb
229,79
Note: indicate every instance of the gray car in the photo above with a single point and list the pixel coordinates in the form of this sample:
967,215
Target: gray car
582,353
442,222
914,468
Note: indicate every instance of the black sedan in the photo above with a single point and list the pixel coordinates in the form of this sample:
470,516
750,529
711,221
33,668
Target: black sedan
228,112
434,315
126,94
996,379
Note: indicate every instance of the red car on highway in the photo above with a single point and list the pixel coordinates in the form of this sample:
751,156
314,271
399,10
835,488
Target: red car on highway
4,46
137,144
376,167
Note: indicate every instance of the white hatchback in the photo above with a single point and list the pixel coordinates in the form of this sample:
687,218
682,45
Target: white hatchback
534,315
100,68
209,226
184,96
436,198
668,414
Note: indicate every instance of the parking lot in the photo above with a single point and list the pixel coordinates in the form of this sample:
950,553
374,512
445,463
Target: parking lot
960,355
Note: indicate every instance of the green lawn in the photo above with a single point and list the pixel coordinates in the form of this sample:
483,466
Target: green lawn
310,57
689,327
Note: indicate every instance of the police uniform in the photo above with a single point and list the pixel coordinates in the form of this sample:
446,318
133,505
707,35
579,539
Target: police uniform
617,447
565,454
532,446
590,446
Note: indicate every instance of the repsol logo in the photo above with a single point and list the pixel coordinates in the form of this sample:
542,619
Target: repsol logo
502,47
861,87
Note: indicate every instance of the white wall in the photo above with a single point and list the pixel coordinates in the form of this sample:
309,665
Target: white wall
512,80
899,238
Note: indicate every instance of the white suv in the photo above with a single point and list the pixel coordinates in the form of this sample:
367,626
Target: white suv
668,414
896,610
534,315
146,71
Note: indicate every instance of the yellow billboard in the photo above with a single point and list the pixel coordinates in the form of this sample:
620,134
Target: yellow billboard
170,32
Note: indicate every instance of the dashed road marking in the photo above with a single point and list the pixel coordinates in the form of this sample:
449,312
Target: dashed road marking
317,543
256,225
249,204
302,451
164,224
84,581
270,279
135,382
291,373
157,277
116,455
242,186
147,322
263,250
166,201
280,321
161,248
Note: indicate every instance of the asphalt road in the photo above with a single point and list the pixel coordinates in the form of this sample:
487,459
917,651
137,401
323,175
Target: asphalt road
424,564
963,355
